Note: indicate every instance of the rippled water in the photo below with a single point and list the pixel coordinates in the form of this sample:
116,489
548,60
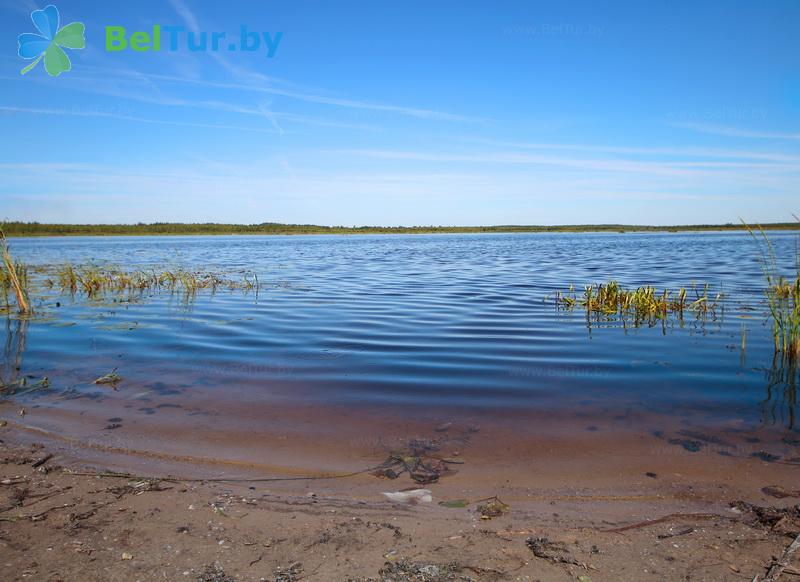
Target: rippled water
416,322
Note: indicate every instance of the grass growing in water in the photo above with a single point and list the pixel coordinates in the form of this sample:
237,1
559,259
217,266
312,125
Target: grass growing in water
784,300
14,276
643,304
92,281
783,297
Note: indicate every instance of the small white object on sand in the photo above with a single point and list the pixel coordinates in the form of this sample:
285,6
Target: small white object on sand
411,496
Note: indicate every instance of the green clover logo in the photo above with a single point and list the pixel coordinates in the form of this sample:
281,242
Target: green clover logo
48,45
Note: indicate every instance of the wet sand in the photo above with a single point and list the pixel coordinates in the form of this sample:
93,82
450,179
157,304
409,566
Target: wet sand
570,478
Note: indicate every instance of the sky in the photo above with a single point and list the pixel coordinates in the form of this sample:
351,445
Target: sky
409,113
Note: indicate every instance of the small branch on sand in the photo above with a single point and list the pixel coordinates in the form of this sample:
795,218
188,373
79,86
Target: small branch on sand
39,498
42,461
683,532
671,516
778,567
36,516
483,571
555,552
173,479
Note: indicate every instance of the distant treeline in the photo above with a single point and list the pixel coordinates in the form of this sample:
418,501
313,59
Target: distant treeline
210,228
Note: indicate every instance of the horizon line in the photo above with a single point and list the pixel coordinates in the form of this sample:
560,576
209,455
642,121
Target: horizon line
34,228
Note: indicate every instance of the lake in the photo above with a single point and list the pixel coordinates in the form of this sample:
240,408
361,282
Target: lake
353,334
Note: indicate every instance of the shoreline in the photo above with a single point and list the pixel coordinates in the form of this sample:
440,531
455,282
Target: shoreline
130,430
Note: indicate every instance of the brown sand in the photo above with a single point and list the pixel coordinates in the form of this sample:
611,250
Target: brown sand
568,480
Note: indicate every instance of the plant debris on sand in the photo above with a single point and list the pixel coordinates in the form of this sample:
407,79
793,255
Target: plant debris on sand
779,492
492,507
780,520
420,461
214,573
555,552
405,571
292,573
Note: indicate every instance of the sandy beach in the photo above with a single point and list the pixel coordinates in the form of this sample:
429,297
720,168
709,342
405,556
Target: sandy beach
507,505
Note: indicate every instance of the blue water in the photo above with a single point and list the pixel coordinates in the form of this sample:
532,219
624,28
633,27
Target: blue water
418,322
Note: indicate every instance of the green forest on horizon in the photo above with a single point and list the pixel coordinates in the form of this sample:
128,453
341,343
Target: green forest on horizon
17,229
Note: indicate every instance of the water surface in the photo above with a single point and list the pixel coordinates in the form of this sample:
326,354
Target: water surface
411,325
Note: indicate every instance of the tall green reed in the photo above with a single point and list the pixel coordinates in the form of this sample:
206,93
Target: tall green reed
782,294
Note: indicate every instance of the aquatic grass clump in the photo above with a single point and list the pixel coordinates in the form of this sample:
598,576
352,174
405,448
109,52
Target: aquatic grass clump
784,301
643,304
68,278
23,385
14,277
783,297
92,280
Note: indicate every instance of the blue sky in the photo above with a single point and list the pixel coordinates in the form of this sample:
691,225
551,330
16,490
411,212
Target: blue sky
419,113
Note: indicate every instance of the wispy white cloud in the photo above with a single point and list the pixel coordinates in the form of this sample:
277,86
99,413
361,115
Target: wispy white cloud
681,151
266,110
677,168
256,82
192,24
39,167
123,117
249,87
353,104
430,114
158,98
185,14
737,132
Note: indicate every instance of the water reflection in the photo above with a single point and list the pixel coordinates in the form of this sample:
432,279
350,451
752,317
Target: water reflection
780,403
11,376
